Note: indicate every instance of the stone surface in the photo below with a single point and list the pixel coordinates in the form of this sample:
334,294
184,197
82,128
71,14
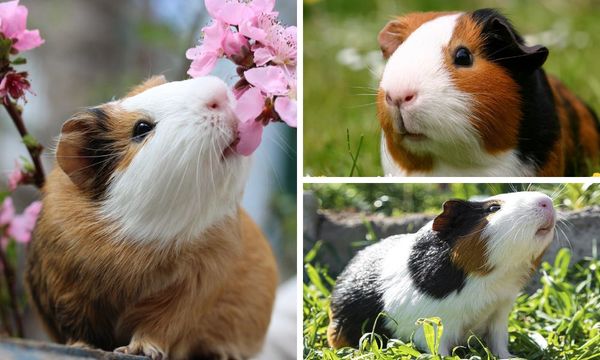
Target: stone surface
344,233
19,349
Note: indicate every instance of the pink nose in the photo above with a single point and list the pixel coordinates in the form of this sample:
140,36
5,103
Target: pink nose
404,98
218,101
545,203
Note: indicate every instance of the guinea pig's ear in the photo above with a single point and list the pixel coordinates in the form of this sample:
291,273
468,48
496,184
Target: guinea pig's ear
507,48
149,83
390,37
70,152
451,215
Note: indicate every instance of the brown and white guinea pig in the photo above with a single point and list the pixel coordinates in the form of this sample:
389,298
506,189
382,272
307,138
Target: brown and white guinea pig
466,267
141,245
463,95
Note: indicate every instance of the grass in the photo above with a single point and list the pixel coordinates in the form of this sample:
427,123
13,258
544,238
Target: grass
559,321
341,63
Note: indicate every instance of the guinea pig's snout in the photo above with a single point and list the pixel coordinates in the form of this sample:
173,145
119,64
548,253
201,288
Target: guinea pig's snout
546,208
401,99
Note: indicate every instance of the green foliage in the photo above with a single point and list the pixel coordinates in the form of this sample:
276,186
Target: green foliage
396,199
340,96
559,321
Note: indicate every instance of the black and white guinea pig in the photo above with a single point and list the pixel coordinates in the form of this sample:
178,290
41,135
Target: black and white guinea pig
142,246
466,267
463,95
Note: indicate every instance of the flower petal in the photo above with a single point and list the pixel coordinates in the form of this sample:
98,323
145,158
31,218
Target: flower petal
29,39
202,64
262,55
7,211
287,110
270,79
22,225
230,12
249,105
250,137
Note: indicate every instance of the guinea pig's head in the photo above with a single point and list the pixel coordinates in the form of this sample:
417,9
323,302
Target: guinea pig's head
158,163
502,231
451,81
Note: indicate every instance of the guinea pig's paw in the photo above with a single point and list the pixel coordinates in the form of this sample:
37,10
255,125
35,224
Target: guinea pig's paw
143,347
79,344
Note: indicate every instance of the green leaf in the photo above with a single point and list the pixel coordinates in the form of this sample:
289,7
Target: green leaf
5,45
30,141
19,61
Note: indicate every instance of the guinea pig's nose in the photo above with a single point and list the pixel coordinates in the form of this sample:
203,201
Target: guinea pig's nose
402,99
545,203
218,101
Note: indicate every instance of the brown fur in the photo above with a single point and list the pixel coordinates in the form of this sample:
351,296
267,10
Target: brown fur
469,252
149,83
495,115
335,338
397,30
579,141
209,297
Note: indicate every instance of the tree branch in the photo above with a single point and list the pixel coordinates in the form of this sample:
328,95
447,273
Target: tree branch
34,151
9,275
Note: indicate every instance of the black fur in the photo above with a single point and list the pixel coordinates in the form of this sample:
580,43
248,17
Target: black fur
102,152
356,300
540,126
430,264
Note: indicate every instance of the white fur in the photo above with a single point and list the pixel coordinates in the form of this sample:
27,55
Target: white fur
440,111
505,164
484,303
177,185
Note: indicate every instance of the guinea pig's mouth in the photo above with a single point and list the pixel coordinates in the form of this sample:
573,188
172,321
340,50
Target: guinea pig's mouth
402,130
545,229
229,151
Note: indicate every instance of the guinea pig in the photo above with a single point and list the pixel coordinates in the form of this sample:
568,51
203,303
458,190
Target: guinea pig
142,246
463,95
466,267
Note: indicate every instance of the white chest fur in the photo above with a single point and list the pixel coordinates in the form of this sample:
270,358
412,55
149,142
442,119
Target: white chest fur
505,164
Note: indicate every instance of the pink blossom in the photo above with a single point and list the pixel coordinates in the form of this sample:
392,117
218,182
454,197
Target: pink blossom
271,80
13,21
274,81
22,225
218,40
14,84
249,106
204,56
286,108
279,46
16,177
7,212
236,12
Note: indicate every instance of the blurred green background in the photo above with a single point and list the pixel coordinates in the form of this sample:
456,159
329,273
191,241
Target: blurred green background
400,199
342,62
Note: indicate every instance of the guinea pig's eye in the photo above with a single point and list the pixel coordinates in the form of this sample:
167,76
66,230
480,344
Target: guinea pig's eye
493,208
141,129
463,57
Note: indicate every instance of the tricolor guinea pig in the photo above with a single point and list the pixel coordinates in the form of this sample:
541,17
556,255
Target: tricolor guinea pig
141,245
466,267
463,95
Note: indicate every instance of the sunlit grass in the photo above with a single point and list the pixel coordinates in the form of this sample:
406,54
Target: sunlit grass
559,321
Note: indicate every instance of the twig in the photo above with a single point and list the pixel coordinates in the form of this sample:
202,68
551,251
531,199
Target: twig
34,150
4,317
9,275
